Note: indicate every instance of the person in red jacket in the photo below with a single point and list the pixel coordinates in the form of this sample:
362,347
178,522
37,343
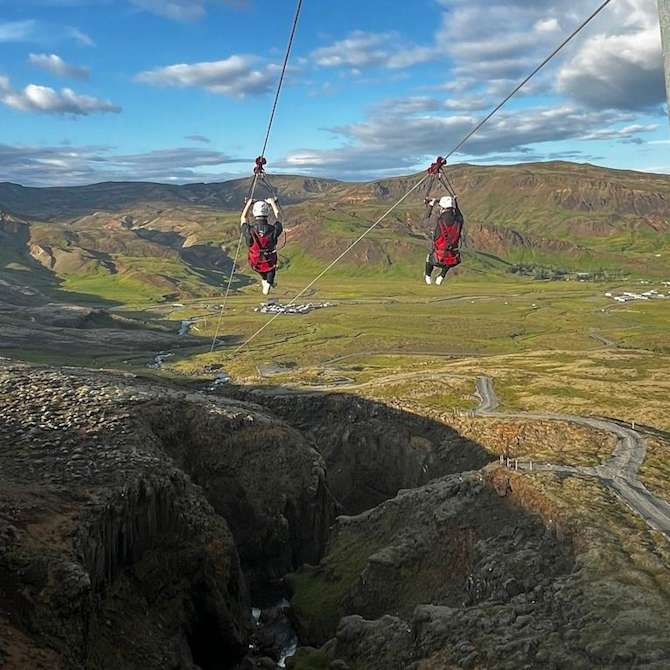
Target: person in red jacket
445,254
262,237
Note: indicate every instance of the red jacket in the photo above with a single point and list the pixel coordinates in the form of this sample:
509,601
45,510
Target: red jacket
447,238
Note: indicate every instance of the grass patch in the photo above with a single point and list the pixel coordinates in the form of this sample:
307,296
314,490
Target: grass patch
655,471
319,593
307,658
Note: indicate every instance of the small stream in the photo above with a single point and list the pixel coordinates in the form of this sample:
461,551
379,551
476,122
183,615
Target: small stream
275,636
159,359
185,327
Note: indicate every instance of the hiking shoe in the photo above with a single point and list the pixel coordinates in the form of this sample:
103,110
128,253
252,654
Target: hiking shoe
266,287
429,280
439,280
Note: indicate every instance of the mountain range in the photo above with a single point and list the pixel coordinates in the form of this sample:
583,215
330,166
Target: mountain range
143,241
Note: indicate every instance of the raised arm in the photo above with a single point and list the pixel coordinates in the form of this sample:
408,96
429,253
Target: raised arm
275,208
245,212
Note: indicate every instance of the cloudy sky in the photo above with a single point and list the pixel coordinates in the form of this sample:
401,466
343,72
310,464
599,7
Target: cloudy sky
180,90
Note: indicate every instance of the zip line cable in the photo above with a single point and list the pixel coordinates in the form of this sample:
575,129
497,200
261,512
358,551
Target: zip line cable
258,172
550,57
332,264
283,74
459,146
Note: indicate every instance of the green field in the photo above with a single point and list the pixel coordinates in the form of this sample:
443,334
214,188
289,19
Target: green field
464,317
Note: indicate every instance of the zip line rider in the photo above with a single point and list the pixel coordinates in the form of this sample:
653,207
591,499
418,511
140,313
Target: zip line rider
262,237
445,254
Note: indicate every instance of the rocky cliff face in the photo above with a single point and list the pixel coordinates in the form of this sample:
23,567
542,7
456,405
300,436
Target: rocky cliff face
372,451
110,555
13,231
453,542
261,475
134,516
485,570
502,241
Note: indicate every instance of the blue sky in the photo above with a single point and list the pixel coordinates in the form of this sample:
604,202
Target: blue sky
180,90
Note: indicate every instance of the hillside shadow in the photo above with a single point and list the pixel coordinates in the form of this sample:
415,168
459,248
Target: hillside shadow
213,267
444,540
44,287
371,450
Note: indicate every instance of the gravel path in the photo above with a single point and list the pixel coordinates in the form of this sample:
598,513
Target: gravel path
620,473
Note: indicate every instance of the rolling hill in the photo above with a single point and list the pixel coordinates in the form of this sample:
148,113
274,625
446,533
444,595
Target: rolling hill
134,242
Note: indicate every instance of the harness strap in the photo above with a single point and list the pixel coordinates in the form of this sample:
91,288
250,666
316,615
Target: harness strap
444,180
257,239
444,231
437,166
259,168
260,176
436,172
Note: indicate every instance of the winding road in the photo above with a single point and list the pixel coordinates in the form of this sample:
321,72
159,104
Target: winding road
620,473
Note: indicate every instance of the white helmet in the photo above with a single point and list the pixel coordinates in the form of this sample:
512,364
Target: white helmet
260,209
447,202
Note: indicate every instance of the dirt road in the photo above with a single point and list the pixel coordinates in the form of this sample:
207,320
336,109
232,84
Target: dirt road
620,473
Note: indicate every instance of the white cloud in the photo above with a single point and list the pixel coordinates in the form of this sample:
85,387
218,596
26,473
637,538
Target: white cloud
601,86
551,25
491,39
421,103
623,71
198,138
80,37
37,31
505,132
181,10
614,63
629,134
71,165
17,31
46,100
393,143
361,49
181,157
236,76
57,66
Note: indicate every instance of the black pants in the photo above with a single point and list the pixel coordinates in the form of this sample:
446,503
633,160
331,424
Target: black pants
269,276
430,267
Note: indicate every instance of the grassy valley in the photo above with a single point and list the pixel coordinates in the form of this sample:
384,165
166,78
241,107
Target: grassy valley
150,256
151,243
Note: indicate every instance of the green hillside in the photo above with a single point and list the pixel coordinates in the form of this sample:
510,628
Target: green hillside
138,242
